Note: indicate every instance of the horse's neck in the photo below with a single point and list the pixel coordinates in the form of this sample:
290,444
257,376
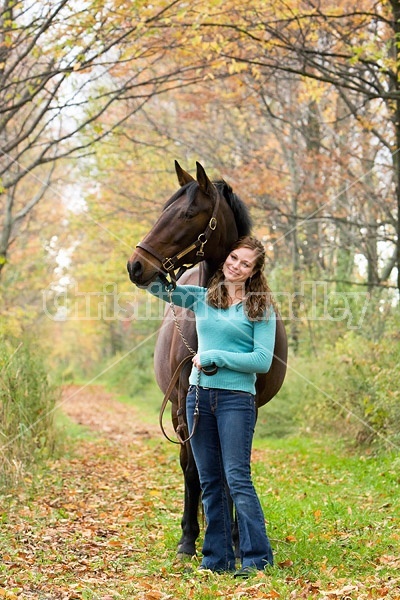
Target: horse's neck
206,271
221,245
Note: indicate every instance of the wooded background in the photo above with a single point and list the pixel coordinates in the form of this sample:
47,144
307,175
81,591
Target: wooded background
296,104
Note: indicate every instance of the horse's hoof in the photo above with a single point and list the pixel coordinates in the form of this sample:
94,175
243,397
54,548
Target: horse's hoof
186,550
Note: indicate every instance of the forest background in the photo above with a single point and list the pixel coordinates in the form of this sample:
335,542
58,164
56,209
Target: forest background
296,104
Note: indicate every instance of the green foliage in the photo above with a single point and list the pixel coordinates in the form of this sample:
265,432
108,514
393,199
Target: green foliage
27,403
282,416
353,388
130,372
343,377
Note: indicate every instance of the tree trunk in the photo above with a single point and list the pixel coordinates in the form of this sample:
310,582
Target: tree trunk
396,158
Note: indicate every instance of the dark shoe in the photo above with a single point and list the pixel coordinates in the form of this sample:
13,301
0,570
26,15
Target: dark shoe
245,573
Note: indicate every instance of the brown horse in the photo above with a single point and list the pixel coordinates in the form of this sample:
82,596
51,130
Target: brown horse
199,224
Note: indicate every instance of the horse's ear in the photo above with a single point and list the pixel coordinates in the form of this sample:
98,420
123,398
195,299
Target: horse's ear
204,183
183,177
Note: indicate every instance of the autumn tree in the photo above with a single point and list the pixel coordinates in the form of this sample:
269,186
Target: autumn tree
62,67
352,50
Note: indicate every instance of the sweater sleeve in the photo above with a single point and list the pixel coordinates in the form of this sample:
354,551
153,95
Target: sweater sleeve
257,361
183,295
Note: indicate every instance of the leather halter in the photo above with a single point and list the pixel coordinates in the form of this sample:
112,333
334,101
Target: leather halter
169,264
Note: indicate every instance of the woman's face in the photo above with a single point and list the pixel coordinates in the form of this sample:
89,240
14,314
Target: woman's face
239,265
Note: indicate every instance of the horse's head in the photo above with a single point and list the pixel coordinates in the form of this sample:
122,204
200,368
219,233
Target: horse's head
187,231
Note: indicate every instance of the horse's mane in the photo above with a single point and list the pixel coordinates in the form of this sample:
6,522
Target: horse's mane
237,206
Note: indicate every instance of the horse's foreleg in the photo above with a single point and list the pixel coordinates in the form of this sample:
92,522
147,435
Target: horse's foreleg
234,523
190,522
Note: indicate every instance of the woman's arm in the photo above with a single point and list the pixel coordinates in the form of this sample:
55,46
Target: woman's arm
183,295
257,361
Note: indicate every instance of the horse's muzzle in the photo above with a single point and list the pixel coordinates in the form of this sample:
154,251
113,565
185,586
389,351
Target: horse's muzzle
135,270
140,278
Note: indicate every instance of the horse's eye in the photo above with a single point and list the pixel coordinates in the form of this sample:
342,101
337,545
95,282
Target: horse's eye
187,214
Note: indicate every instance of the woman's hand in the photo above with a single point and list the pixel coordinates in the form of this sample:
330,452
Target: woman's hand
196,361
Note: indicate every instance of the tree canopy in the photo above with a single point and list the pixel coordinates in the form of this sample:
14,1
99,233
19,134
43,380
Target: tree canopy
295,104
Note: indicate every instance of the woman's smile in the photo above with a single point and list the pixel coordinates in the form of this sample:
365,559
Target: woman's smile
239,265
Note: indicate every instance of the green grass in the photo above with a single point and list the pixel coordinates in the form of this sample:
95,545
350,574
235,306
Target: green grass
104,524
69,433
148,403
329,511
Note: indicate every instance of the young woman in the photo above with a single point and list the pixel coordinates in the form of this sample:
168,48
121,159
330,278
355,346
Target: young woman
235,323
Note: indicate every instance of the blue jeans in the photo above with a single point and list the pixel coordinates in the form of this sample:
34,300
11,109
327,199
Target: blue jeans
222,450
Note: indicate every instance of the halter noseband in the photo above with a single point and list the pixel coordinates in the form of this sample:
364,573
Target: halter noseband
168,265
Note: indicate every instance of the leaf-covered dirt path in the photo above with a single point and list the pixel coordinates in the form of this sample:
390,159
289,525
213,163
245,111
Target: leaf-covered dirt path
102,523
98,410
74,532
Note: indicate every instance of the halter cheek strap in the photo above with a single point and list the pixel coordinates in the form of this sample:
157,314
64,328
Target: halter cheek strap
168,265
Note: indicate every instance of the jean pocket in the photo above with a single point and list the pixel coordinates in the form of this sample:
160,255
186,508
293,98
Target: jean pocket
191,391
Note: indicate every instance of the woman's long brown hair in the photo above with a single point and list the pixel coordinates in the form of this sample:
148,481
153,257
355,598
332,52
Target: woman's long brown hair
258,298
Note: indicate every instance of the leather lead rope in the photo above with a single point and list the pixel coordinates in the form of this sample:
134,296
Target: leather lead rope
180,412
182,426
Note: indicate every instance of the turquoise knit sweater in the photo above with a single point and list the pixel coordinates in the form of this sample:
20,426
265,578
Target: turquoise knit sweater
239,347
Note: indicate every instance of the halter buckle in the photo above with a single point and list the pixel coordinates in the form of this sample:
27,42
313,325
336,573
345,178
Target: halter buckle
202,239
168,265
213,223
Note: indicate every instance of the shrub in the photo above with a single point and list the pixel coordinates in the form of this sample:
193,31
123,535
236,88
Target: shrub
357,392
27,403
